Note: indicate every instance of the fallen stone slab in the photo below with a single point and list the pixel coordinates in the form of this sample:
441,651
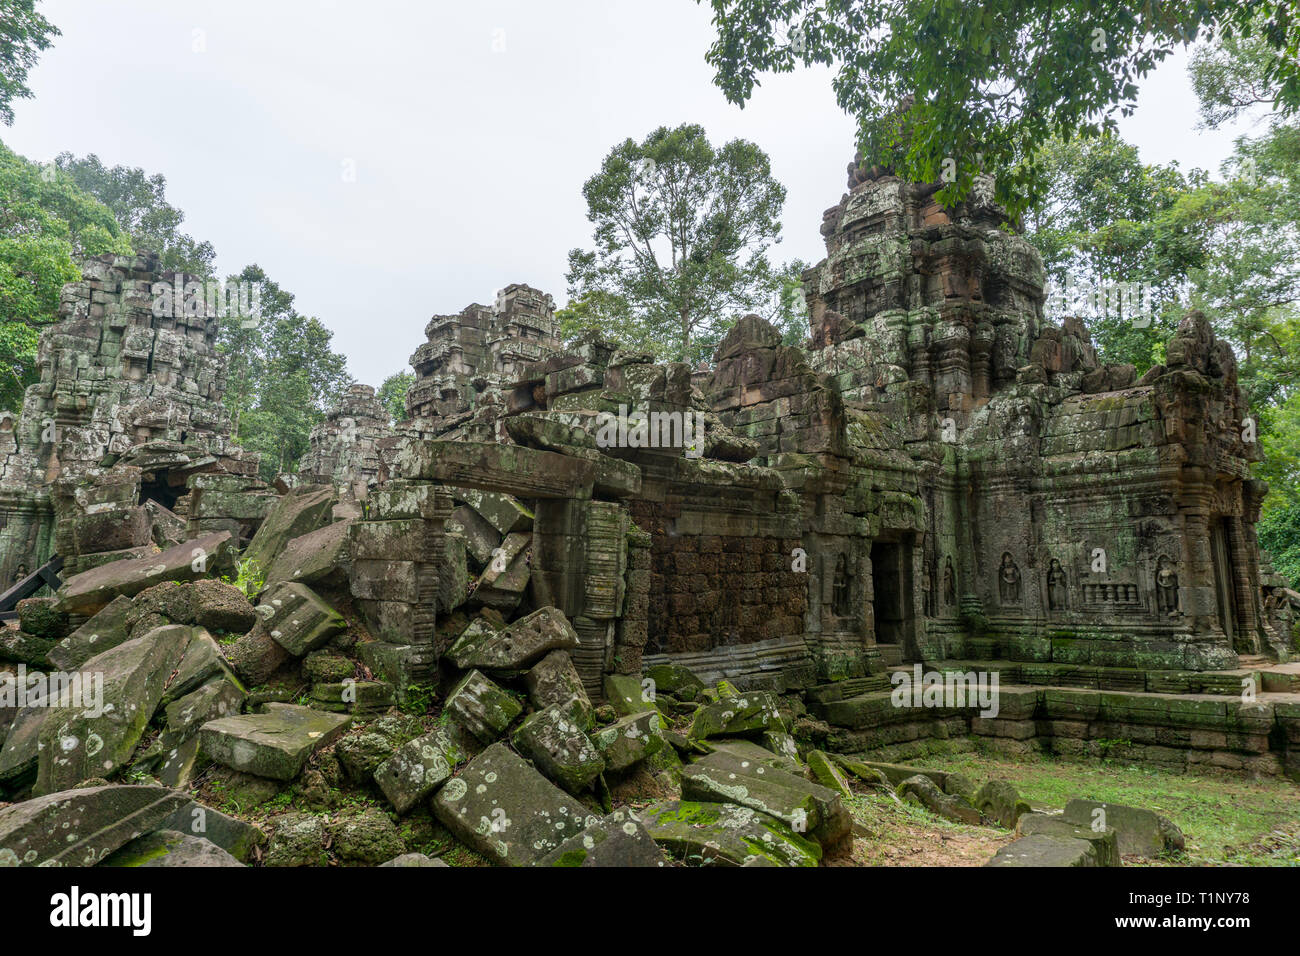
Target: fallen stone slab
221,608
350,696
1041,849
418,768
176,749
501,807
320,558
753,712
481,707
1104,839
748,750
503,512
21,750
923,790
806,807
554,680
202,662
555,743
896,773
676,680
256,656
617,839
1000,802
628,695
725,834
868,775
1139,832
827,772
515,647
298,619
414,859
92,734
20,647
274,744
300,511
480,538
170,848
630,740
82,827
505,575
92,590
233,835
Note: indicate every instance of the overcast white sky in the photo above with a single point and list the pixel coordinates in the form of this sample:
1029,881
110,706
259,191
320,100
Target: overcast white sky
471,127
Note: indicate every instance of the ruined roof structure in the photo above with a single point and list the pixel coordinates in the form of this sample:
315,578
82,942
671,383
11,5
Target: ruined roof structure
343,450
578,568
128,408
461,371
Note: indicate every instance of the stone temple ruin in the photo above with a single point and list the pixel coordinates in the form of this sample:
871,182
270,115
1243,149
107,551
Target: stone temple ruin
940,479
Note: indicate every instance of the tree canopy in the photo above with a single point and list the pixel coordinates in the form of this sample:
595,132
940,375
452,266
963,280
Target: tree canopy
138,201
682,230
24,35
46,223
392,394
986,83
282,376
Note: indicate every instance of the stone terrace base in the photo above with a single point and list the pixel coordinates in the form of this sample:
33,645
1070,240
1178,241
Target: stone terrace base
1178,732
781,664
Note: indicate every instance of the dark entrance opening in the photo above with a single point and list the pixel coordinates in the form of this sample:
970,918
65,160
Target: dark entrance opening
891,579
155,487
1224,580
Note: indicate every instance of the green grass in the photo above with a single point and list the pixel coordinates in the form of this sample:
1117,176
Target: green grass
1226,819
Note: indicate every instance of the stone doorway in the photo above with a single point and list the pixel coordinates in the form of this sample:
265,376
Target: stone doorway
891,584
1224,581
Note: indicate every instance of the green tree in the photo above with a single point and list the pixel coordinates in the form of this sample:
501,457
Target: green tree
392,395
282,376
46,224
987,82
24,34
787,307
139,203
1107,219
681,236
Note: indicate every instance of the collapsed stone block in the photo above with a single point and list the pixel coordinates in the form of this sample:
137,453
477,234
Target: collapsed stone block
1139,832
725,834
504,809
92,590
298,619
87,736
302,510
617,839
804,806
81,827
556,744
516,646
418,768
630,740
481,707
274,744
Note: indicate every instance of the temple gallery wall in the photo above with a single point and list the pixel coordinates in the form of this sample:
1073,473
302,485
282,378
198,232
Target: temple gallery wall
940,474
